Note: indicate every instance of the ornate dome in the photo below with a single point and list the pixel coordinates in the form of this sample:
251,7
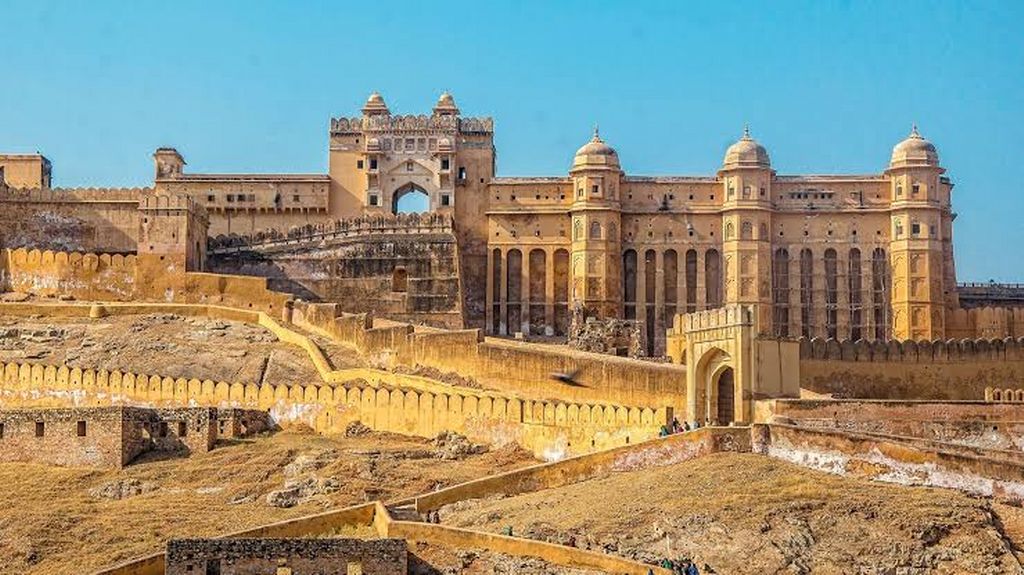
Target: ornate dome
446,105
746,153
596,152
375,105
914,151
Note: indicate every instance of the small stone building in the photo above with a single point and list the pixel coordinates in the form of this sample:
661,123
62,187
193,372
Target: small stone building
286,557
103,436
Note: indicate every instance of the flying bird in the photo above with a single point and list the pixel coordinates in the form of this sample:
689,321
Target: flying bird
567,378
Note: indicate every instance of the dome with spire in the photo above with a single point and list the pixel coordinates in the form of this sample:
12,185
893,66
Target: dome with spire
746,153
596,153
446,105
375,105
914,151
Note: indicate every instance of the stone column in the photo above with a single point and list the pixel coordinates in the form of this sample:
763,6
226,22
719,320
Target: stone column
489,299
524,292
549,292
503,327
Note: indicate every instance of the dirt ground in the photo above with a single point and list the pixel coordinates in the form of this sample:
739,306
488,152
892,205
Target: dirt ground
745,513
167,345
69,521
427,559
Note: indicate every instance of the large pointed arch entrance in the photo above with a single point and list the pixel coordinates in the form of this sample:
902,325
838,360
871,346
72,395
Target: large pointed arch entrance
410,199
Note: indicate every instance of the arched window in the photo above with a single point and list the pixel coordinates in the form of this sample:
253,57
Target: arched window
691,281
729,231
399,279
713,278
747,231
595,230
879,292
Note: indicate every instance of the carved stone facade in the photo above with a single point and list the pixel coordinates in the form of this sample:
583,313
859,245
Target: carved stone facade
862,256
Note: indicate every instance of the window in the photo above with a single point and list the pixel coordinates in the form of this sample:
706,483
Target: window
462,173
373,163
182,429
1,431
374,201
211,198
746,192
915,189
446,200
40,429
81,429
231,197
579,193
408,166
445,164
295,198
359,164
915,229
762,192
899,190
594,189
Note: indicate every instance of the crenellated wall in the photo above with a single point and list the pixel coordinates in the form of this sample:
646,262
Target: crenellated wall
951,369
82,276
552,429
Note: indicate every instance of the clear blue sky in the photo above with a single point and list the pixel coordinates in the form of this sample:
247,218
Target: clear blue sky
249,86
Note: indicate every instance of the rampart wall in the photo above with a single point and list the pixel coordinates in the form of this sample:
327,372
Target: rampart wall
331,556
515,367
82,276
71,220
949,370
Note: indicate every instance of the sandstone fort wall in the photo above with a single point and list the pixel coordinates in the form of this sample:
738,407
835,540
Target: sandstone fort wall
950,370
516,367
71,220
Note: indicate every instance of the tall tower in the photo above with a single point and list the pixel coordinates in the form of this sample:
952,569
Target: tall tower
920,219
746,177
596,254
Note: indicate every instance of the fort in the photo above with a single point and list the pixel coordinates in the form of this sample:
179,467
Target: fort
604,323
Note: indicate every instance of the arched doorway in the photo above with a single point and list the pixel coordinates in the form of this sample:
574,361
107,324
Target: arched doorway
726,396
410,199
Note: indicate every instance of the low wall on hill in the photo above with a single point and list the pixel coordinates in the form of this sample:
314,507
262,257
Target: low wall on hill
969,423
516,367
893,459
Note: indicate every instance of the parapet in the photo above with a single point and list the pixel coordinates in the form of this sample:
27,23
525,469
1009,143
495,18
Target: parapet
432,123
429,223
73,195
733,315
951,350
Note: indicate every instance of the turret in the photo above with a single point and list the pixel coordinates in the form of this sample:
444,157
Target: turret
746,177
920,250
169,163
375,106
596,176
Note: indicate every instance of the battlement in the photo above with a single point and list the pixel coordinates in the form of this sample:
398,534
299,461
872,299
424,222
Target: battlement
73,195
952,350
431,223
728,316
411,123
83,260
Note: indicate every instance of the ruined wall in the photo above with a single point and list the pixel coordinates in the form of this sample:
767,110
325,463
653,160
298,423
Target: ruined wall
896,460
402,267
89,437
516,367
82,276
970,423
71,220
301,556
949,370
